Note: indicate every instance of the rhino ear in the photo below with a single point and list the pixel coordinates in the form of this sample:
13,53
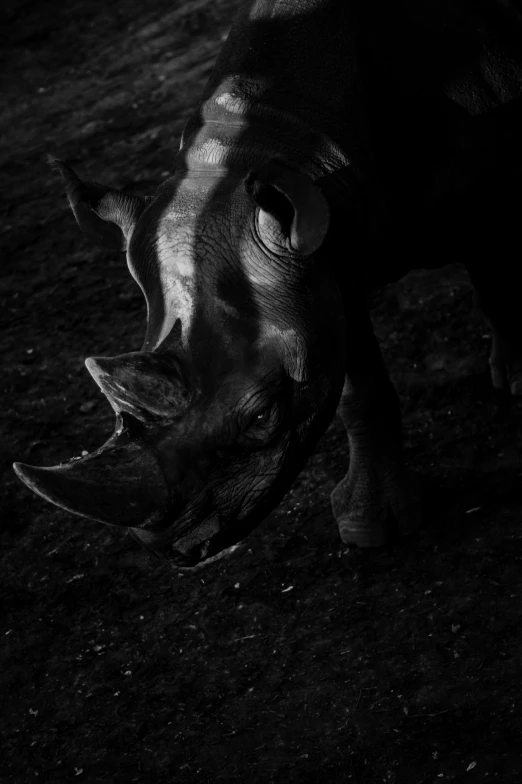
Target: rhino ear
106,216
293,201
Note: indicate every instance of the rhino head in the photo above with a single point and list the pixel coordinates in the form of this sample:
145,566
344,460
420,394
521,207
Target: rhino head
240,371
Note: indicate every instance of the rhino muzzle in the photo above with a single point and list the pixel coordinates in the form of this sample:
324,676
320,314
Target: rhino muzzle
206,544
123,483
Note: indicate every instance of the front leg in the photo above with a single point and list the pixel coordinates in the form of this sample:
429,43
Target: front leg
376,500
499,299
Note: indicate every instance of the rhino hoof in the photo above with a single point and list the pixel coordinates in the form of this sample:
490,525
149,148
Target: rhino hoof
373,514
515,384
507,379
364,535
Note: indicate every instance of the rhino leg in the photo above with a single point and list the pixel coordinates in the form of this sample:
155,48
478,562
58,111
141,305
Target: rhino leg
489,243
376,500
505,363
498,298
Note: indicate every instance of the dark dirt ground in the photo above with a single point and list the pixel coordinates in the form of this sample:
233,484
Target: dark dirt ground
297,660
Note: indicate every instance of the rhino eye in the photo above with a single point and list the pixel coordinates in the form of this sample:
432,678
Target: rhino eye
264,417
263,424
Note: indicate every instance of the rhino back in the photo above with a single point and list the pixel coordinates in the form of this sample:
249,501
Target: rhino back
300,58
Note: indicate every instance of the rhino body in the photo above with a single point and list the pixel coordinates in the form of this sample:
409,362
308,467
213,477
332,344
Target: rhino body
337,145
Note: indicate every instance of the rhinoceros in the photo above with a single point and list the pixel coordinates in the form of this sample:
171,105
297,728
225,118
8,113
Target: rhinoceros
337,145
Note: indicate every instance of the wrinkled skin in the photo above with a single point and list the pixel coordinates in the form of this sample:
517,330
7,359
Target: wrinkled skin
336,146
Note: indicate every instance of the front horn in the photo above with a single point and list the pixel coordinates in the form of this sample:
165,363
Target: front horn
120,484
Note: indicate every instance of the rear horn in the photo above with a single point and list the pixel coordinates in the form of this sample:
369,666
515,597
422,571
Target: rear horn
148,386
